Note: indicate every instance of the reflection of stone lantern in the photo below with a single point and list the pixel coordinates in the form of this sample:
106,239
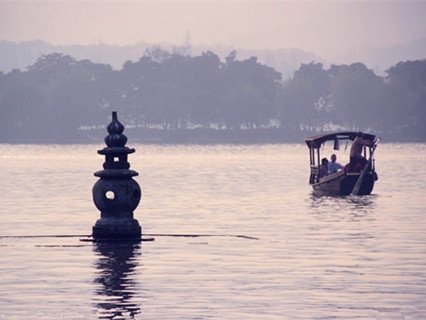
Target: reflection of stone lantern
116,194
116,281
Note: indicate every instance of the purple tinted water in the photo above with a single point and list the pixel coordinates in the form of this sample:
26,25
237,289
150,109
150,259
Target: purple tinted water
314,257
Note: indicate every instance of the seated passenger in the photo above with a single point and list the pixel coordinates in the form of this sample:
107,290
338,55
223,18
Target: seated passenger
323,169
334,166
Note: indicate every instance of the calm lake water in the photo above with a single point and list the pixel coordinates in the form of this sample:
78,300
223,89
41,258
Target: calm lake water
313,257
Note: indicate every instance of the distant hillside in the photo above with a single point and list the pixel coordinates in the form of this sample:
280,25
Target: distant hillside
286,60
21,55
381,58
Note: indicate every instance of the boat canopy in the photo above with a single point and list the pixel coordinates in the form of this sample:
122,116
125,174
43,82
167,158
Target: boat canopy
316,141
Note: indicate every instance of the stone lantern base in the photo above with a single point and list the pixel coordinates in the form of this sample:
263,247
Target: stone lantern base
120,229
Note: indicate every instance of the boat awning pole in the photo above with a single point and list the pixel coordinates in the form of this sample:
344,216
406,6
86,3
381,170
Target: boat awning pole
318,163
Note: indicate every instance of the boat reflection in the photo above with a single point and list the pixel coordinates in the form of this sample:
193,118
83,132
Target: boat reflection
319,199
357,206
115,279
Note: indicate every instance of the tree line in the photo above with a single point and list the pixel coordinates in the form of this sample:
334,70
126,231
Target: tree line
61,97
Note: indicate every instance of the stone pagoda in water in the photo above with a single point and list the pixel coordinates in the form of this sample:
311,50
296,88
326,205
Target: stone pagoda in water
116,194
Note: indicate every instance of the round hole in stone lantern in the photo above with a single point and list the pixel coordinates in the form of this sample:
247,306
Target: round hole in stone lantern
110,195
116,194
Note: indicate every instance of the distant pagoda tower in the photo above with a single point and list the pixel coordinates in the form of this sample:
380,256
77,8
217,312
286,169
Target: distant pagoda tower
116,194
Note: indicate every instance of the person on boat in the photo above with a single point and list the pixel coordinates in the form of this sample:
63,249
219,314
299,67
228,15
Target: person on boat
356,156
334,166
323,169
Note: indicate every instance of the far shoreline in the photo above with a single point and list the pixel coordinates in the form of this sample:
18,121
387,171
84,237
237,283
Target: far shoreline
198,136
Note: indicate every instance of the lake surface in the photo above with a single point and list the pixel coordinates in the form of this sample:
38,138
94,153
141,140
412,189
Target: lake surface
303,257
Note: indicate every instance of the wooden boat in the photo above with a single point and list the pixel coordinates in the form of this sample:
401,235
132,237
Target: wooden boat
359,181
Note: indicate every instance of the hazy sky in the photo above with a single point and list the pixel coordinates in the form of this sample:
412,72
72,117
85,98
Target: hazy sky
326,28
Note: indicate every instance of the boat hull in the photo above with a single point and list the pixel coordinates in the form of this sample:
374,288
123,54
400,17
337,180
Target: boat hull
342,184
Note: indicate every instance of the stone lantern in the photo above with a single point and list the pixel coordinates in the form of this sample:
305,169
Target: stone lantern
116,194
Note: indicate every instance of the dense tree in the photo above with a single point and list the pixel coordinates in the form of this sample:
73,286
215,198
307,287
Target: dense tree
203,89
55,96
75,90
304,98
19,98
406,98
356,96
249,91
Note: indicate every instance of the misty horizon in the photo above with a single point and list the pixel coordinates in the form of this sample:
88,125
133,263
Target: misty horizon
330,30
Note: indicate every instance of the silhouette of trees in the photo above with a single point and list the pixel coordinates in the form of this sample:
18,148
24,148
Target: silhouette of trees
405,106
18,97
61,97
54,97
356,96
176,92
248,92
203,88
305,98
170,90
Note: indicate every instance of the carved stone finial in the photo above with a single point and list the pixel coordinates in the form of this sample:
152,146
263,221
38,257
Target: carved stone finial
116,138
